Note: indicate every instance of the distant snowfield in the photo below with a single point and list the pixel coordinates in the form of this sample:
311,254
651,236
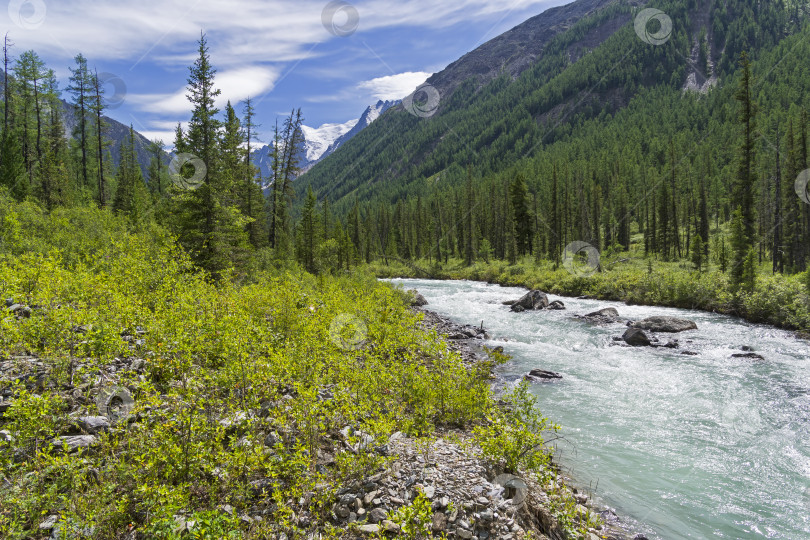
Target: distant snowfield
318,140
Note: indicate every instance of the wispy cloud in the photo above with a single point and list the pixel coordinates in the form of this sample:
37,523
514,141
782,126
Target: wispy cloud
242,30
236,85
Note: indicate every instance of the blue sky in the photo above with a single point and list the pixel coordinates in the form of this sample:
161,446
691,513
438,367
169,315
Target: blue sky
283,54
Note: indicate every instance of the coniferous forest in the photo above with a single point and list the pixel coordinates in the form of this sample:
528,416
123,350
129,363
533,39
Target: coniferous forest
191,349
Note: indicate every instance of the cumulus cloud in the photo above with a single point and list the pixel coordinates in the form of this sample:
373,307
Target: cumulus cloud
393,87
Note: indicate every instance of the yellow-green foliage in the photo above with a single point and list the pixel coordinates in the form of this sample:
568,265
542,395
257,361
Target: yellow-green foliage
260,356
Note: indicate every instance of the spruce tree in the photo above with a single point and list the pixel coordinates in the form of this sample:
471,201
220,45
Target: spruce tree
522,223
207,219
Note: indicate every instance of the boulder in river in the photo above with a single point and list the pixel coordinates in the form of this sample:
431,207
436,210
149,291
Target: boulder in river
664,324
532,300
603,315
751,355
636,337
556,304
542,375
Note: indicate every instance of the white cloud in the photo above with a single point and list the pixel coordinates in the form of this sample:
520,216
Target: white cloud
251,42
241,31
236,85
393,87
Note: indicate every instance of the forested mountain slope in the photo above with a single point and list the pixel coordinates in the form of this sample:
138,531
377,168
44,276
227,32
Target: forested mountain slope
588,72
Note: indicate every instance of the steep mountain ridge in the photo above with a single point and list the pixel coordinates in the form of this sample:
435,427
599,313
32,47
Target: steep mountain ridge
516,50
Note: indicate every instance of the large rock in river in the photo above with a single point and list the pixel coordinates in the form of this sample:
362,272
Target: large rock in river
532,300
636,338
665,324
603,315
541,375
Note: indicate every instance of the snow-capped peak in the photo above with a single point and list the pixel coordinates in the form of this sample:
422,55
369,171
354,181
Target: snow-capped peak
319,139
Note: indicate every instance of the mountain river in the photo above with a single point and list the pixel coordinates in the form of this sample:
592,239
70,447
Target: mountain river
704,446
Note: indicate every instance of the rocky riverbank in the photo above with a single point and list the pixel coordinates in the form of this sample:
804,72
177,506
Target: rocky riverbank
469,478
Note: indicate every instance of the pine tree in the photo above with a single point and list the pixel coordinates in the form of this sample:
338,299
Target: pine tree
673,216
664,234
24,75
309,231
697,252
130,194
156,173
54,186
253,198
522,222
746,176
7,103
80,85
469,255
704,228
285,168
777,247
12,167
722,257
749,272
740,248
97,110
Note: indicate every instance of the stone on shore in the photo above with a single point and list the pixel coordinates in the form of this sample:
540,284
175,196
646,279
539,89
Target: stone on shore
417,300
74,442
